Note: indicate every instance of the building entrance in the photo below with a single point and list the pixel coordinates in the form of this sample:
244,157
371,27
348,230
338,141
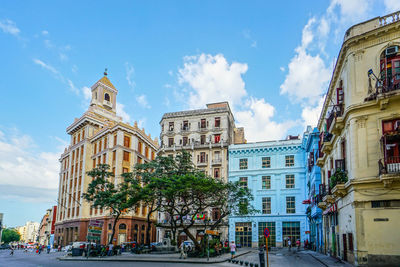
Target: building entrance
243,234
290,230
272,235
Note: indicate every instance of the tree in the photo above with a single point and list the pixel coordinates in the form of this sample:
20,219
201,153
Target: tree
118,198
182,191
10,235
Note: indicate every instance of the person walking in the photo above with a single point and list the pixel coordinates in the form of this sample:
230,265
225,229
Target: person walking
40,249
298,244
48,249
12,251
183,251
232,247
289,242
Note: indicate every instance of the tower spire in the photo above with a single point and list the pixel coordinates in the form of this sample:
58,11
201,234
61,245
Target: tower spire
105,72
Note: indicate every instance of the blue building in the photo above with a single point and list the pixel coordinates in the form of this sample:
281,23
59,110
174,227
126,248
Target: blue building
311,139
275,173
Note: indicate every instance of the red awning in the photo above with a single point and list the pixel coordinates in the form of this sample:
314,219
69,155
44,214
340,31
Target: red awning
331,209
307,201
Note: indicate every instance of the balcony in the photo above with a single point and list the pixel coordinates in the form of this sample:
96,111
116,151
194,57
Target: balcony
202,163
217,161
327,143
203,129
185,130
107,103
335,122
389,170
339,190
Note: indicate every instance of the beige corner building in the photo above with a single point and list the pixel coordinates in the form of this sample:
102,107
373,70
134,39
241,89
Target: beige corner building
100,136
206,134
360,126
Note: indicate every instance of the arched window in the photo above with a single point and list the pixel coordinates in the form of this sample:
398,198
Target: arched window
106,97
122,226
136,226
143,227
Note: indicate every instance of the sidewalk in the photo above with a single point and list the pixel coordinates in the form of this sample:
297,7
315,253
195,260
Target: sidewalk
325,259
174,258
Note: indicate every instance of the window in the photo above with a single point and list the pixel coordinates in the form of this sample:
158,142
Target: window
217,138
94,151
127,141
216,214
266,182
185,141
107,97
203,123
185,125
242,164
94,163
115,140
266,205
170,142
83,134
126,156
152,155
243,182
140,147
217,173
217,155
385,203
104,158
125,170
114,155
272,233
217,122
350,237
146,152
105,142
266,162
289,161
290,205
203,157
171,126
202,139
290,181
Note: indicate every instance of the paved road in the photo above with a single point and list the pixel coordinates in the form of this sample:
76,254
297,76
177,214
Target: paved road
30,259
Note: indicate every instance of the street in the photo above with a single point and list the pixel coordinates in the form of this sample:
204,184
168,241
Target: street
30,259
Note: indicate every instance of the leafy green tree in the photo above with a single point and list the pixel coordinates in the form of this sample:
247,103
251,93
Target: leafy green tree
116,196
10,235
177,188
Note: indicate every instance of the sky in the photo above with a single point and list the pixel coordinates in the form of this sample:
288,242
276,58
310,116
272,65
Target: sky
271,61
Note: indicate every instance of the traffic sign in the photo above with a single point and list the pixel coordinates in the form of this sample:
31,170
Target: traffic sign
266,232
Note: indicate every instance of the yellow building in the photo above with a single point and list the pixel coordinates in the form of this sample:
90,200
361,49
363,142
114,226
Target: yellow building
360,133
100,136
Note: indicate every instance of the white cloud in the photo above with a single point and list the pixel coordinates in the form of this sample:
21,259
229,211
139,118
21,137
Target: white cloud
392,5
130,71
46,66
307,76
212,79
310,114
24,170
257,120
349,10
72,87
142,122
87,93
63,57
74,69
48,43
142,100
121,112
44,32
247,35
9,26
282,69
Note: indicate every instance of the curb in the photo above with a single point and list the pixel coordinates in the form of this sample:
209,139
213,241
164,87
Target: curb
150,259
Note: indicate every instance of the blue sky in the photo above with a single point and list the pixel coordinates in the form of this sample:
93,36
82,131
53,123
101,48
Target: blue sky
271,61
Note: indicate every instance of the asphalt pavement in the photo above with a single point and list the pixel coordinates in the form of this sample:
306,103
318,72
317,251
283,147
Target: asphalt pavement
277,258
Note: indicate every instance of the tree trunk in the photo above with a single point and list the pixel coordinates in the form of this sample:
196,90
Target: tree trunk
148,228
113,229
196,244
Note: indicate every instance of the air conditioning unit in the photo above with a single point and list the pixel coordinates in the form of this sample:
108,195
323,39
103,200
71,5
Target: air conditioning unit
391,50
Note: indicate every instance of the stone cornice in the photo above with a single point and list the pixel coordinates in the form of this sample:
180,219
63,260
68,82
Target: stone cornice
259,150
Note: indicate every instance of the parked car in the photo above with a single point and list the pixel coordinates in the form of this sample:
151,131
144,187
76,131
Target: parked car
5,246
189,244
155,245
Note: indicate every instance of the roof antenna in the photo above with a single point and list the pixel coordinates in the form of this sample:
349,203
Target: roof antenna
105,72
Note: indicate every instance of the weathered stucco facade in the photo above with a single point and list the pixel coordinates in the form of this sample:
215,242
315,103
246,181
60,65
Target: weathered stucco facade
359,128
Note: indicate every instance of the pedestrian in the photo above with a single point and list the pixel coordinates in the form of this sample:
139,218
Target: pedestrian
12,251
59,248
48,249
289,242
298,244
183,250
40,249
110,249
232,247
